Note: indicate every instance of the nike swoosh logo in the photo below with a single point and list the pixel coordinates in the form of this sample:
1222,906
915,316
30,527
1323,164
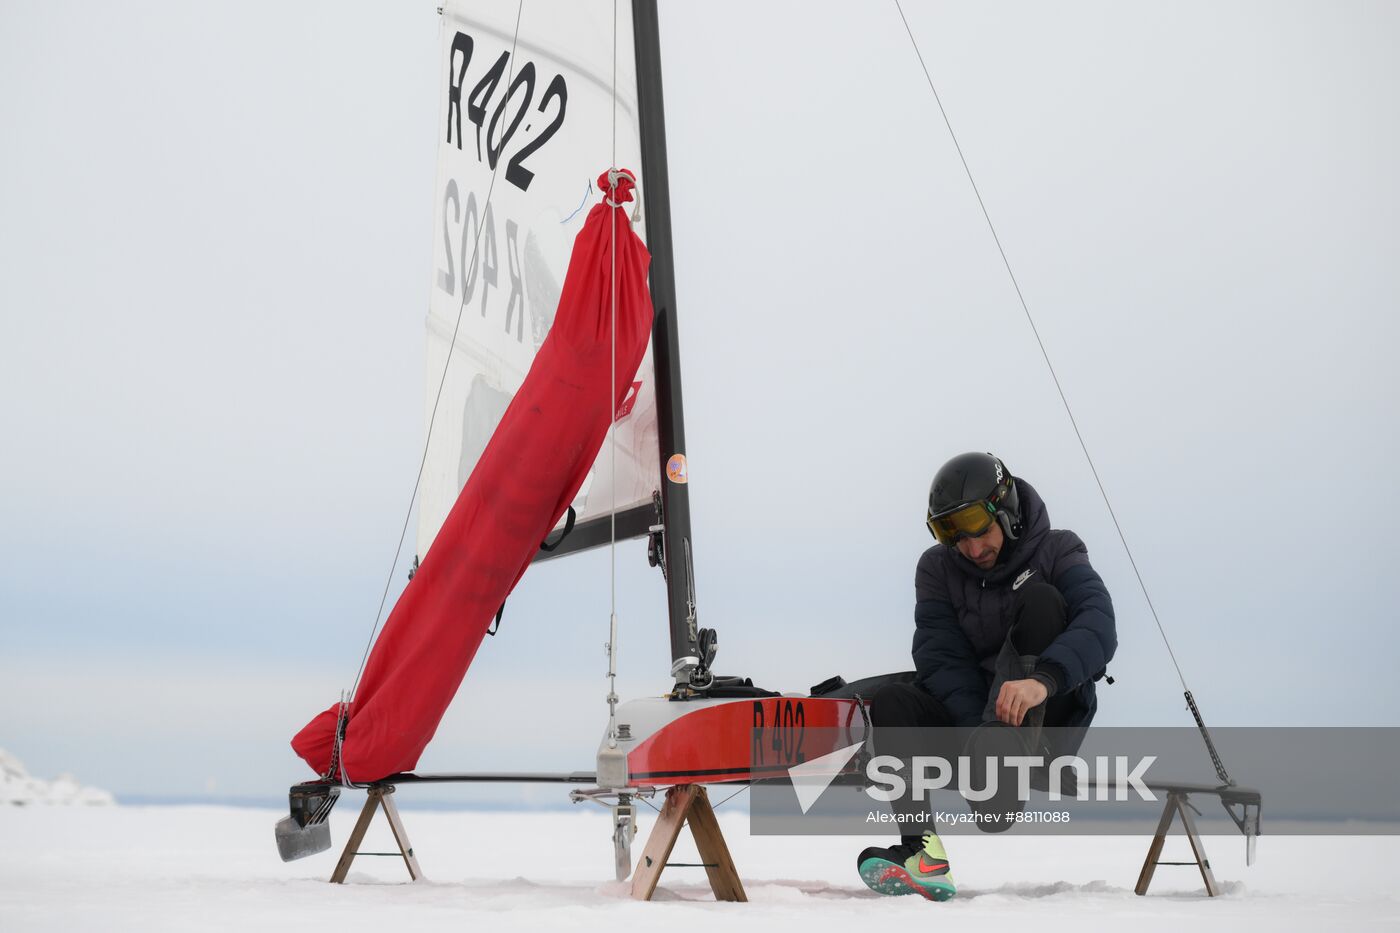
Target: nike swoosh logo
1022,579
926,866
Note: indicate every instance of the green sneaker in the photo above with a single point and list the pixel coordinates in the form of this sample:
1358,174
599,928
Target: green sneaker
903,869
928,870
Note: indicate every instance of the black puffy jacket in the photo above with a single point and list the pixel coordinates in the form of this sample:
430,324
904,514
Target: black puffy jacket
962,616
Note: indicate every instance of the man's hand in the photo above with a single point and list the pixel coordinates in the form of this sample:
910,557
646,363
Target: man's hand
1018,697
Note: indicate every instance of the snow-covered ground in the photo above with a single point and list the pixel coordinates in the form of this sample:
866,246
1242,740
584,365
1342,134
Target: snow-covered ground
19,788
216,868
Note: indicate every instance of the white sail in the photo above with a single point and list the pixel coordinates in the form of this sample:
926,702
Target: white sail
525,126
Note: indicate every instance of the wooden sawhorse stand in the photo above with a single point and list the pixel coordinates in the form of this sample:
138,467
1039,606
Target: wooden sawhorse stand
687,803
379,796
1176,803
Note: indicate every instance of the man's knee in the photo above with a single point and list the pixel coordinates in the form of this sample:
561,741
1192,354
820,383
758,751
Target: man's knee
906,705
1040,613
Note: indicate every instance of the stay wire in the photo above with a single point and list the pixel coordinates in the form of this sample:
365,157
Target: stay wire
731,796
442,382
612,374
1043,352
615,179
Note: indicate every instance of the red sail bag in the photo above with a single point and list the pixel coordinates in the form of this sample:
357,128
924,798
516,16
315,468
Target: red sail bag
530,472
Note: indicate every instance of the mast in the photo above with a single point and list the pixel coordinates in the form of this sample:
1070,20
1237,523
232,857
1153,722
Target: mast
656,201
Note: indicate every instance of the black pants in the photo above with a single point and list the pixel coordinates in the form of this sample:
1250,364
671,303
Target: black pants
1038,617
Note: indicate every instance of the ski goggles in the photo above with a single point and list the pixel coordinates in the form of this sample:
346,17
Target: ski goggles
966,521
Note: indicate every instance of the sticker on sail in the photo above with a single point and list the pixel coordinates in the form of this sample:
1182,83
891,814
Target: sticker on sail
675,469
625,408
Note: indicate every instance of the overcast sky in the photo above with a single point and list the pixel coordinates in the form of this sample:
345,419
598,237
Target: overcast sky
215,256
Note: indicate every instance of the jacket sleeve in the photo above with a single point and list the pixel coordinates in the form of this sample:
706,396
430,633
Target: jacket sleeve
1082,651
943,657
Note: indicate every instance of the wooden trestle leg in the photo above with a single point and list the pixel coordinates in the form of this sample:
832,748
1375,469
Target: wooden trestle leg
378,797
688,803
1176,804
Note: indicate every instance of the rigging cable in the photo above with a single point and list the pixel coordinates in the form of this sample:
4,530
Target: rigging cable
613,179
731,796
1190,700
346,701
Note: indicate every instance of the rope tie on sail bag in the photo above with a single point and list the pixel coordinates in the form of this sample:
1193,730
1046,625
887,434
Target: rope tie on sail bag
569,520
613,175
545,546
347,699
1220,771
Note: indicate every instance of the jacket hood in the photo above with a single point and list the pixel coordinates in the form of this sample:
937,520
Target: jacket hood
1035,525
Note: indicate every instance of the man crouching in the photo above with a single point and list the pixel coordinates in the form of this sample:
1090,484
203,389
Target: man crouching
1012,628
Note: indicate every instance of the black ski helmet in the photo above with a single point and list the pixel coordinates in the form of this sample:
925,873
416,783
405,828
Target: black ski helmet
977,477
